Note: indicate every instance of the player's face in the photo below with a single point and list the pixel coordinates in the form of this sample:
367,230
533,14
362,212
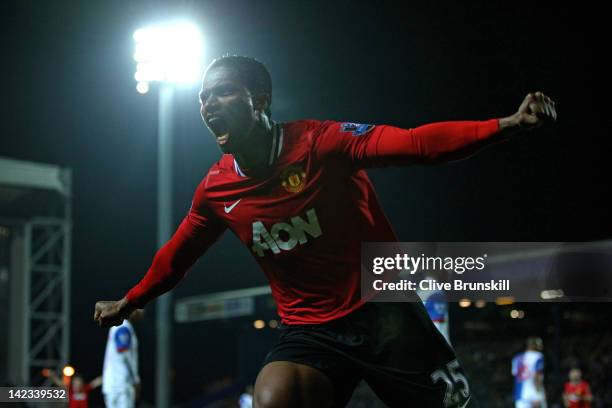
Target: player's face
77,383
575,375
226,106
539,345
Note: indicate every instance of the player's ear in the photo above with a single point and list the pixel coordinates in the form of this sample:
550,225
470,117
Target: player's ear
263,120
261,102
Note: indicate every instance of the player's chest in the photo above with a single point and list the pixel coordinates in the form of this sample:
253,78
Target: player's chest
291,200
283,194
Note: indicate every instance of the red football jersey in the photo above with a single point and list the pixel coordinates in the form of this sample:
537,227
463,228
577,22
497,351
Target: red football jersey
575,393
304,222
79,399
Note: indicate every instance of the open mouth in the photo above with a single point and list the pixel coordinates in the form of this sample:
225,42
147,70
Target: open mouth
217,125
223,138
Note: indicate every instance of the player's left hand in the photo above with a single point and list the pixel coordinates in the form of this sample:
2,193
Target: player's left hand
535,110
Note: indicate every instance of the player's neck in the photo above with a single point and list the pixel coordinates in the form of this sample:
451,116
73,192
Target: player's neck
255,159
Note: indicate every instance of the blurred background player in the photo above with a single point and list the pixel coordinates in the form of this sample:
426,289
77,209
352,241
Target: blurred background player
436,301
120,379
78,393
577,392
437,308
528,372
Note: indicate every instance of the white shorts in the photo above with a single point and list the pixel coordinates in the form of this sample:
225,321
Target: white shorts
121,398
531,403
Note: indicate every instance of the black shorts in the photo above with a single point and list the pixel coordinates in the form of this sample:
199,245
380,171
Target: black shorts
394,347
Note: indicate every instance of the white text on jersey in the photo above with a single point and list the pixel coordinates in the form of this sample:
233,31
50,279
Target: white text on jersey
296,231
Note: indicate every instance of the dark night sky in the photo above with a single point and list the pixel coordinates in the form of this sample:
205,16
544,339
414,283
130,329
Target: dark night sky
70,99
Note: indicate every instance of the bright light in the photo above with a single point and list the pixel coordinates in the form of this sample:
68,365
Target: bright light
480,303
142,87
504,300
465,303
517,314
169,53
551,294
68,371
259,324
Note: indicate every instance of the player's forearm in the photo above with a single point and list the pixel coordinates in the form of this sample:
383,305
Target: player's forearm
509,124
56,380
468,137
169,265
441,141
161,277
453,140
96,382
194,235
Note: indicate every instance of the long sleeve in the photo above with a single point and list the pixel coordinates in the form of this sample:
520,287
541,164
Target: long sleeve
196,233
383,145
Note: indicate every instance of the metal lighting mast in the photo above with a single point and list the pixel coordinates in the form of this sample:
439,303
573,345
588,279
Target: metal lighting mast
170,54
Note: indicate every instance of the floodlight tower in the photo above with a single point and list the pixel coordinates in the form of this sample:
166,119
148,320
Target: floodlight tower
170,54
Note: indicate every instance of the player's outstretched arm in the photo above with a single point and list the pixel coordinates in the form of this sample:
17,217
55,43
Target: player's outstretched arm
379,146
535,110
453,140
96,382
196,233
46,372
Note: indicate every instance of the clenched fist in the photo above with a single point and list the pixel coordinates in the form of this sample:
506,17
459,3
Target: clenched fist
112,313
535,110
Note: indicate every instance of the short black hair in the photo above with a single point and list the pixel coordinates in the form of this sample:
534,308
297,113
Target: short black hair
253,73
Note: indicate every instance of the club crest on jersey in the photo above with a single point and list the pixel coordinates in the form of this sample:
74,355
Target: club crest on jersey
293,179
356,129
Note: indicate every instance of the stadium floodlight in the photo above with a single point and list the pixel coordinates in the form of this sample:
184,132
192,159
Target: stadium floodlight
465,303
259,324
169,52
68,371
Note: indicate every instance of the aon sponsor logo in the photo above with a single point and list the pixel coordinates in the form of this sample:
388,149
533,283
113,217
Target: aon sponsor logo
296,232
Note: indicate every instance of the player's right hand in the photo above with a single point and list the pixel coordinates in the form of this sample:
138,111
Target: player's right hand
111,313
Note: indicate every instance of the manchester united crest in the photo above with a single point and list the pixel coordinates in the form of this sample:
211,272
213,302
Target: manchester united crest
293,179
